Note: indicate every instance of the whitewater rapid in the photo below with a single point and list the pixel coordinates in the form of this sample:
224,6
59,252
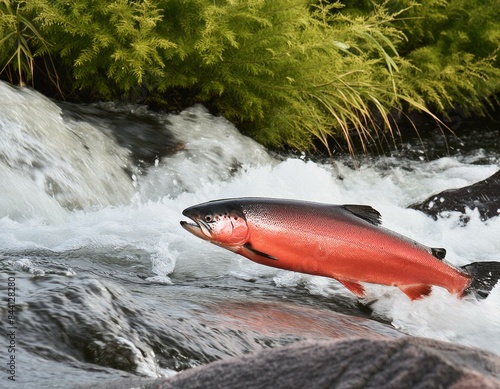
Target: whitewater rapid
151,228
69,189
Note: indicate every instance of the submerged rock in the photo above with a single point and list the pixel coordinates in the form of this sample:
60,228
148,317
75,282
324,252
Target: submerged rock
483,196
407,362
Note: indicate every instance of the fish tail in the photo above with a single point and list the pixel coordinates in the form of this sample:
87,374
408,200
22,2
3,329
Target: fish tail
484,277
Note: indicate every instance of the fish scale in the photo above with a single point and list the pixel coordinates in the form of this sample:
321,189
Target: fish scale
344,242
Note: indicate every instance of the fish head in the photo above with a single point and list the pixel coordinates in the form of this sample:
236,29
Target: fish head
220,222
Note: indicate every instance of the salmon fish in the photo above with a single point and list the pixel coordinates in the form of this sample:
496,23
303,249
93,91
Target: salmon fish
344,242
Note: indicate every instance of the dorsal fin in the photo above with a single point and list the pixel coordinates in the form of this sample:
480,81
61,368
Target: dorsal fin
365,212
438,252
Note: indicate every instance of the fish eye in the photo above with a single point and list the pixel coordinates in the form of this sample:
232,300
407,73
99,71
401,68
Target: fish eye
209,218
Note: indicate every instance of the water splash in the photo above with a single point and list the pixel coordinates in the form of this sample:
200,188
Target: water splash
71,162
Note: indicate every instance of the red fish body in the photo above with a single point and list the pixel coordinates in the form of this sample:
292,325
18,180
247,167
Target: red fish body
345,242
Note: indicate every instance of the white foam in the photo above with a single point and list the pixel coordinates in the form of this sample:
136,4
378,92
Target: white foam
71,161
440,316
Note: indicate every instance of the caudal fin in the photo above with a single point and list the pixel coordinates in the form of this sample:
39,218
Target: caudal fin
485,276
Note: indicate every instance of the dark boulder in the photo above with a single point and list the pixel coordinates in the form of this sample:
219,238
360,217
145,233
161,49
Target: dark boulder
406,362
483,196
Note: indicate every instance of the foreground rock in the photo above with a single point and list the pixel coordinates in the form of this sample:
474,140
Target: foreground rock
483,196
351,363
405,362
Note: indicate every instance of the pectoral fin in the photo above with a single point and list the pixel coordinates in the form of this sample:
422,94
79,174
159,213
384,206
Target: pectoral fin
354,287
415,292
255,255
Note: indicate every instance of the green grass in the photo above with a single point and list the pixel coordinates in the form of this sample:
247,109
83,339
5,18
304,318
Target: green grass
289,73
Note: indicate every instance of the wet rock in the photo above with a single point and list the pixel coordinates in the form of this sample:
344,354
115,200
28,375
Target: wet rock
483,196
407,362
136,129
350,363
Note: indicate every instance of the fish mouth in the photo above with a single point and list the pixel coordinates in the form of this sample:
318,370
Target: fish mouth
196,228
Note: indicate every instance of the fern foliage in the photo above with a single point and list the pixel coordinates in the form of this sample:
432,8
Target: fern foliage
453,47
287,72
112,46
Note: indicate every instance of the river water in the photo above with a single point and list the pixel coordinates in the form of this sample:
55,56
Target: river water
108,285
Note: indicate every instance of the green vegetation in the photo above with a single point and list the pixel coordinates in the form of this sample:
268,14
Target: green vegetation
287,72
453,47
20,43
